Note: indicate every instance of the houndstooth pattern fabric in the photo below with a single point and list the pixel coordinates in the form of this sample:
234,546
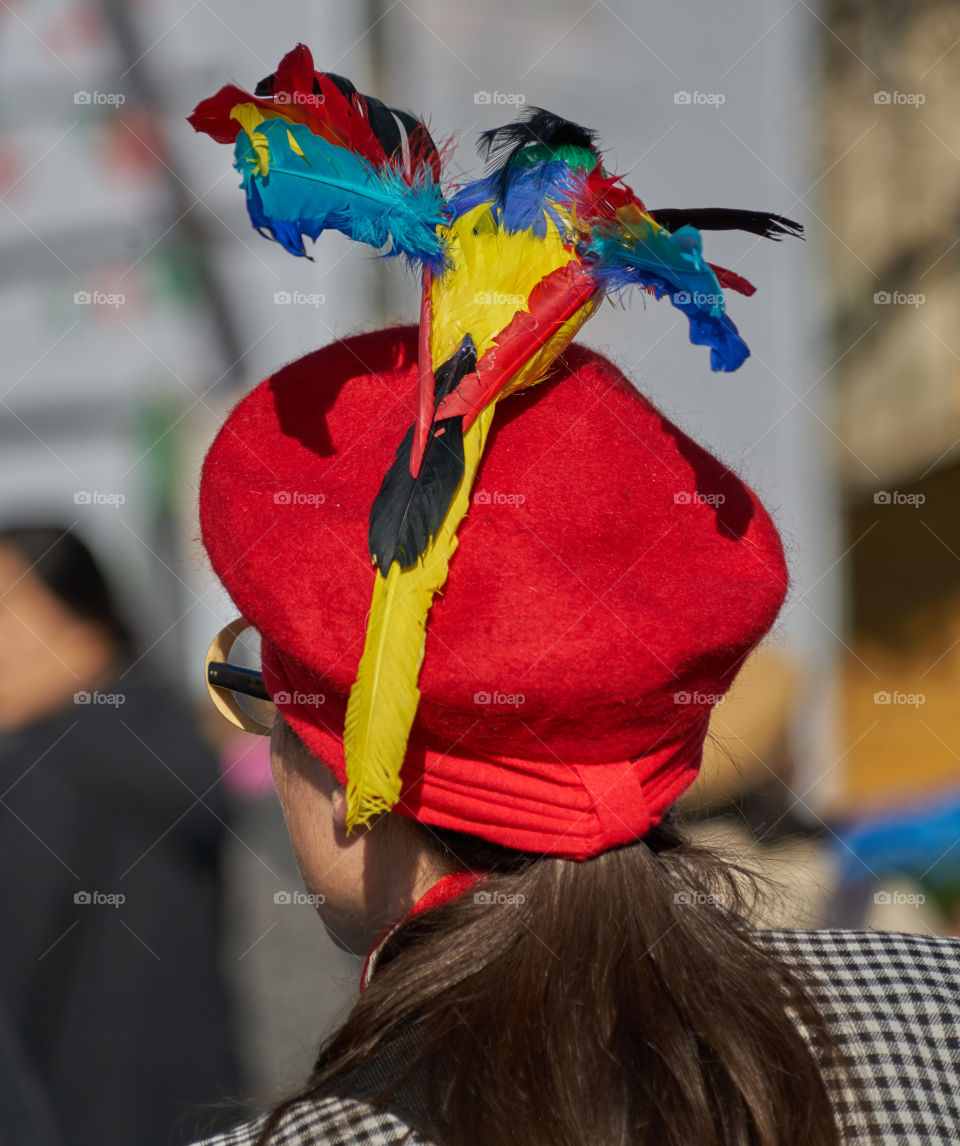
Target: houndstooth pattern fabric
892,1000
327,1122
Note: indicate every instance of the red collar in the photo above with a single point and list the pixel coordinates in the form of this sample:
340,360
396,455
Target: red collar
448,887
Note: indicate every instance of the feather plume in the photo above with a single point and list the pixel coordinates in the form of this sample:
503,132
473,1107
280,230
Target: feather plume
403,137
325,155
731,280
601,196
493,274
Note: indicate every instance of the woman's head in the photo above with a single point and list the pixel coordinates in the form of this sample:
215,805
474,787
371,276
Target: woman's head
60,630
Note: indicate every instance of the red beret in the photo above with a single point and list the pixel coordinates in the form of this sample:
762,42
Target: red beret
610,578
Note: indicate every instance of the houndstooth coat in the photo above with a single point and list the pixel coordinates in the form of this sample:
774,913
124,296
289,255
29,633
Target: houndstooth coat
893,1000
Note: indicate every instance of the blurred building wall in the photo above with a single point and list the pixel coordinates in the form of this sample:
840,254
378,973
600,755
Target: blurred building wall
889,122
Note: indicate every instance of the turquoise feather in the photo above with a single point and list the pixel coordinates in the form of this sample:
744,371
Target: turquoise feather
671,265
330,187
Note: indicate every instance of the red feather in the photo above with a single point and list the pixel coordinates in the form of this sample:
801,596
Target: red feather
552,301
212,115
328,113
349,116
732,281
425,392
600,195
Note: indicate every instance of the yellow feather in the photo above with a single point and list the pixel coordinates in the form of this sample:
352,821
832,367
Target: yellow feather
491,278
295,147
249,116
384,697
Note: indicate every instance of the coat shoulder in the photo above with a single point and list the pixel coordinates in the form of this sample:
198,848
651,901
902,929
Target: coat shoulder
886,970
892,1002
331,1121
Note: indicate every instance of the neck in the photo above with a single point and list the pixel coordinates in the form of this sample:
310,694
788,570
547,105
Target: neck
446,888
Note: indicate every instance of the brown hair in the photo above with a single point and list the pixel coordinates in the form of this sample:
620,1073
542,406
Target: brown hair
619,1000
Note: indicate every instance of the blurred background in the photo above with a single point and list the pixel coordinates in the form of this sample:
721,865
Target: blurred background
137,305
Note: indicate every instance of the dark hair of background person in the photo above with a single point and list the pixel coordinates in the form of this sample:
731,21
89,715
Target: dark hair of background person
608,1002
69,570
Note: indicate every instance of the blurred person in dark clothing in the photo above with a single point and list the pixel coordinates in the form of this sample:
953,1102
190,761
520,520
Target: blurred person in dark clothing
25,1113
111,821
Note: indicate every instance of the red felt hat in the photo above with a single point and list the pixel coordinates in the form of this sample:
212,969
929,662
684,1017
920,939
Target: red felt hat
610,578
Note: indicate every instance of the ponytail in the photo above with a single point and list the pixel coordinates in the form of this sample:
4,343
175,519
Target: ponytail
620,1000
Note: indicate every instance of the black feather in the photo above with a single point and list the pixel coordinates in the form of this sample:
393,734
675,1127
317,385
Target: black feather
500,146
763,223
408,511
538,128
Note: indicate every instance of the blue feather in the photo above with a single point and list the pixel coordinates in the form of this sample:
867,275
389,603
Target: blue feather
530,196
671,265
728,351
332,187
